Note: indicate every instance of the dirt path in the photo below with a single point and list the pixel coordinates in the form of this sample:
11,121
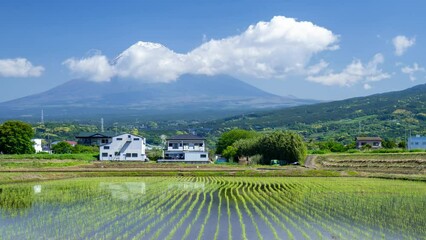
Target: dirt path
310,161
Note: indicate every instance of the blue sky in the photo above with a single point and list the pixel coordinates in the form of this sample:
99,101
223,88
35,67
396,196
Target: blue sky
309,49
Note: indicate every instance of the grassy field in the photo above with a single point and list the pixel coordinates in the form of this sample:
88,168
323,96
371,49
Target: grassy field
19,168
391,163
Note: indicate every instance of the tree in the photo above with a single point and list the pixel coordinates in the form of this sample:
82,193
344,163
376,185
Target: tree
62,147
387,143
230,153
332,146
84,149
15,138
154,154
282,145
246,147
228,138
402,145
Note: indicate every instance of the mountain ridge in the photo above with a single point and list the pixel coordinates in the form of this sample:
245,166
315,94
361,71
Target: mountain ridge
188,93
392,114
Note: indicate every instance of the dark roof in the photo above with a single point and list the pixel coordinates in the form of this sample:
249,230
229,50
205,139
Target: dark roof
93,134
186,137
368,139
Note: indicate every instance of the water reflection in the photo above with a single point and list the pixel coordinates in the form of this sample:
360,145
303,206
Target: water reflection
37,189
187,186
125,190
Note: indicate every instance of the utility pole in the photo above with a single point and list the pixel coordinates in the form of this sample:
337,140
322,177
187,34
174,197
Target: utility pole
42,117
102,124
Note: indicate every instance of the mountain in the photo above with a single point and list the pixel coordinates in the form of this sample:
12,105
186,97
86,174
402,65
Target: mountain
393,114
190,93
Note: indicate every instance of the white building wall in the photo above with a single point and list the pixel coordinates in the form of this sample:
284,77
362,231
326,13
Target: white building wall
125,147
37,145
196,156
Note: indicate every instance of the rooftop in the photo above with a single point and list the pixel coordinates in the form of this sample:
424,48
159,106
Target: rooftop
185,137
368,139
95,134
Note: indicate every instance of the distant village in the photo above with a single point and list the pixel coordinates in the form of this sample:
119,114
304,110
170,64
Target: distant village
184,148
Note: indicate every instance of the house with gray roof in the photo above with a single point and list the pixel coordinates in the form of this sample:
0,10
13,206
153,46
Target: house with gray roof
374,142
186,148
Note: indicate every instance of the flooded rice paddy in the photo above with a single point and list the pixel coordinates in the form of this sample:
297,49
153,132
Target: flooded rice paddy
214,208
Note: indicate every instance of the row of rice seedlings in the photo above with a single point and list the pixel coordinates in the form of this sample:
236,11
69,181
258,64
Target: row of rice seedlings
34,224
240,216
228,208
143,215
345,212
264,208
118,216
211,188
297,207
206,218
177,214
177,225
306,205
160,218
288,210
167,200
253,220
68,215
219,214
360,209
273,208
300,207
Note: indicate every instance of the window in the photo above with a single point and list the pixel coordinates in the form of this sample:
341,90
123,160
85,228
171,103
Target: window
175,146
375,143
134,155
201,144
136,139
104,154
106,147
203,155
116,153
170,144
119,139
128,155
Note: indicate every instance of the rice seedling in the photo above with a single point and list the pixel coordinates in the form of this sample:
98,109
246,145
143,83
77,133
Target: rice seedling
213,208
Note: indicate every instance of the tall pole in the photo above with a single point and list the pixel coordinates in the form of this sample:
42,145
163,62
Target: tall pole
102,124
42,116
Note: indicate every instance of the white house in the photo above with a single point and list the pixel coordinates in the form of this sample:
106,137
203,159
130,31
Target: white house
37,145
185,148
124,147
417,142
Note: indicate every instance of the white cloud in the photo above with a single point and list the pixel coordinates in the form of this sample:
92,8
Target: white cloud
317,68
151,62
411,71
402,43
354,73
96,68
19,67
271,49
367,86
